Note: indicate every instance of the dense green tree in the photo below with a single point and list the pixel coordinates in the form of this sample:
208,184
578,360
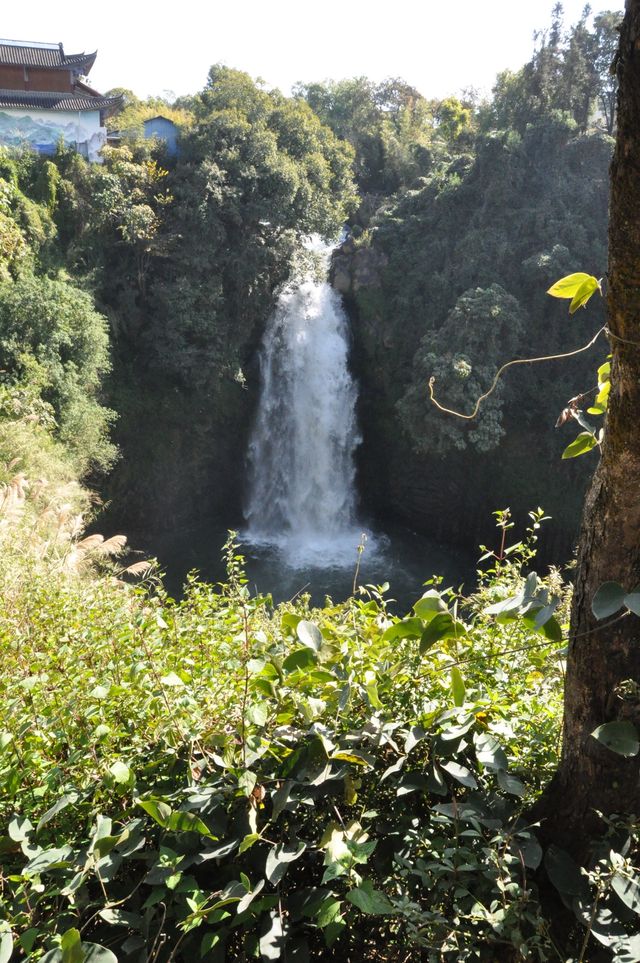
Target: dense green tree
482,330
54,342
388,124
517,212
569,72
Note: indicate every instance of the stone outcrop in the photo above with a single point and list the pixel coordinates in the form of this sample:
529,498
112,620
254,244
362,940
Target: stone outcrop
354,267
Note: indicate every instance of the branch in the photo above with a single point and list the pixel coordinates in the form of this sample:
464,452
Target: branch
548,357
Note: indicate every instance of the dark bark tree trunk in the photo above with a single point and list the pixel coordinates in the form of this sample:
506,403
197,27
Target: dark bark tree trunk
601,659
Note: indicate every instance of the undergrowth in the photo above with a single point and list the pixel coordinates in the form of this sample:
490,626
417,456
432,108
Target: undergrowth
221,779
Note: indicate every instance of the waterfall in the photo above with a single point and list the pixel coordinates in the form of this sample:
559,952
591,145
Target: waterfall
301,453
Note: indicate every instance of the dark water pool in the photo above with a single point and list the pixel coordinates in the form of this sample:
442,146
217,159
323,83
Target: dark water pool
398,556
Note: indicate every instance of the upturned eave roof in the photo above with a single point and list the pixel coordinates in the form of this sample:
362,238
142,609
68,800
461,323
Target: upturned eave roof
20,54
53,101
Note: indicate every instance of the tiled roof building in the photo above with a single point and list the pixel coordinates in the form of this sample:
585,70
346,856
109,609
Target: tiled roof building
45,97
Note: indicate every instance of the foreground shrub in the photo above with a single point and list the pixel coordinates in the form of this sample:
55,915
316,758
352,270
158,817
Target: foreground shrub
218,777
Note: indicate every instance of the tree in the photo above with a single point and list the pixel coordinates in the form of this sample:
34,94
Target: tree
603,667
389,125
55,346
606,39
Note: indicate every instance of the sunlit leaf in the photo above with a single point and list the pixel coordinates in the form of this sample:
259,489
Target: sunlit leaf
272,939
405,629
632,601
583,294
6,942
157,809
71,946
310,635
583,443
461,774
442,626
568,287
120,772
628,890
458,688
429,605
489,752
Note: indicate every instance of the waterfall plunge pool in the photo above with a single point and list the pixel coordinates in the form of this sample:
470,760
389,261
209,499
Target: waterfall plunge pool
400,557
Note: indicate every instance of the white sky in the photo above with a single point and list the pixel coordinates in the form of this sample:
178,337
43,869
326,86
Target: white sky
440,47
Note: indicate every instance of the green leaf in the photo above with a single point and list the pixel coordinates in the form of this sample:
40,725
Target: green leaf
627,890
604,373
356,758
632,601
299,659
329,911
279,859
248,842
510,784
120,772
529,849
584,293
247,781
406,629
609,598
290,620
544,614
310,635
551,630
370,900
458,688
583,443
171,679
429,605
183,822
568,287
489,752
6,942
119,917
96,953
156,808
66,800
71,947
442,626
620,737
460,773
565,873
258,713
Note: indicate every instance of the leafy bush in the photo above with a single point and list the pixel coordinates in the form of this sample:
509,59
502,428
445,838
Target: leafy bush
215,776
54,342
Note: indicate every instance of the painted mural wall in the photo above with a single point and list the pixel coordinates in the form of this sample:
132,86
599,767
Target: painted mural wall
42,129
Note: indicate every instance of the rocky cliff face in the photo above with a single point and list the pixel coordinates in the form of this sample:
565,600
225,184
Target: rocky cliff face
430,284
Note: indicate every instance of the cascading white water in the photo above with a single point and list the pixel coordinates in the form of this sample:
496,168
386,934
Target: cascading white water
301,453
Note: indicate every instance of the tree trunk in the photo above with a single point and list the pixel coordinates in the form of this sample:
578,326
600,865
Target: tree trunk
601,659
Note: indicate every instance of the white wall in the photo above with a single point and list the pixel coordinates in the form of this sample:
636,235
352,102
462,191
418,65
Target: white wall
42,129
